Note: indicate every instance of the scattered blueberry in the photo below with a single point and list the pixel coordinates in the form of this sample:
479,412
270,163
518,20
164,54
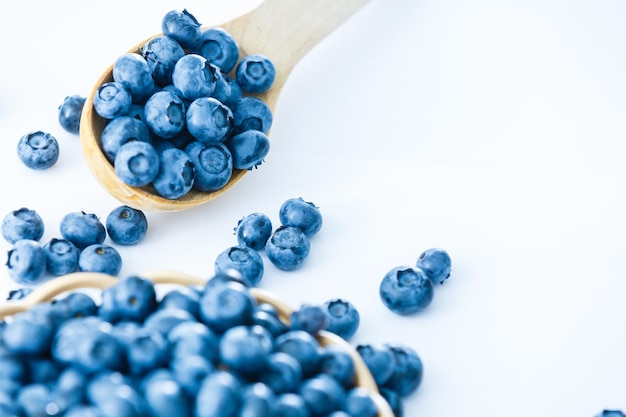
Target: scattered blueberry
126,225
100,258
342,318
287,248
254,230
61,256
22,224
247,262
408,370
301,214
70,112
26,262
38,150
436,264
82,229
406,290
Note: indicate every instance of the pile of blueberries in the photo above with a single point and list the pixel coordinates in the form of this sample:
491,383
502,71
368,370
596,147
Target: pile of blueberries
202,351
182,112
80,247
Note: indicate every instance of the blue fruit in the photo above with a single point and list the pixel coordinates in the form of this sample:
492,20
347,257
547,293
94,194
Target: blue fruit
245,349
164,114
245,261
395,401
270,321
76,304
163,320
436,264
183,298
126,225
226,304
19,294
194,76
100,258
291,404
34,400
165,398
408,370
257,400
406,290
22,224
28,334
342,318
227,91
189,371
82,229
255,73
208,120
379,360
194,339
322,394
301,214
308,317
61,256
146,350
220,47
254,230
132,70
183,27
161,54
287,248
132,298
116,395
26,262
338,363
359,402
251,113
218,395
212,165
303,347
70,112
38,150
282,373
248,148
121,130
112,99
137,163
611,413
175,176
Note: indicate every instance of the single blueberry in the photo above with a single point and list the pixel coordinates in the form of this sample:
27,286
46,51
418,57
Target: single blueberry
164,114
38,150
132,298
183,298
308,317
254,230
132,70
70,112
290,404
26,262
360,403
163,320
165,398
218,395
227,91
112,99
82,229
161,54
22,224
251,113
61,256
77,304
245,349
190,370
282,373
226,304
137,163
146,350
270,320
255,73
212,165
302,214
194,76
244,260
257,400
338,363
175,177
220,47
287,248
183,27
436,264
322,394
194,339
342,318
380,361
100,258
249,149
303,347
126,225
121,130
406,290
408,370
208,120
28,334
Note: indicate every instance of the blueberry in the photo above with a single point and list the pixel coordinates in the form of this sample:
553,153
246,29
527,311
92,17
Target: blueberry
218,395
408,370
164,114
22,224
175,176
212,165
82,229
132,298
194,76
395,401
183,27
194,339
337,363
301,214
26,262
227,91
251,113
38,150
270,321
19,294
115,395
161,54
257,400
244,260
183,298
611,413
61,256
359,402
287,248
121,130
380,361
255,73
146,350
254,230
208,120
308,317
245,349
436,264
248,148
323,394
132,70
28,334
163,320
282,373
137,163
220,47
226,304
342,318
77,304
406,290
126,225
100,258
303,347
70,112
291,404
112,99
190,370
35,400
165,398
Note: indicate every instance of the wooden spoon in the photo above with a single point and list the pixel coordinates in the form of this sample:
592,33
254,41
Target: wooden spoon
282,30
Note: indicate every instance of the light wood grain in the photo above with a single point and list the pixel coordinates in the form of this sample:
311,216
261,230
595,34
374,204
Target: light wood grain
283,30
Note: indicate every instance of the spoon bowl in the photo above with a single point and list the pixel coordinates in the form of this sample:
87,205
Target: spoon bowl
282,30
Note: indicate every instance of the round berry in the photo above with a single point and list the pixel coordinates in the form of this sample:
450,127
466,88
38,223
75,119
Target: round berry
342,318
304,215
287,248
100,258
26,262
255,73
22,224
38,150
436,264
126,225
406,289
70,112
245,261
61,256
254,230
82,229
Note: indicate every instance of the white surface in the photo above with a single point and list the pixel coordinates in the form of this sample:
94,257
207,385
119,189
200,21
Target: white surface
493,129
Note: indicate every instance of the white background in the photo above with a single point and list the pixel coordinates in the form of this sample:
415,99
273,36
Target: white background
493,129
